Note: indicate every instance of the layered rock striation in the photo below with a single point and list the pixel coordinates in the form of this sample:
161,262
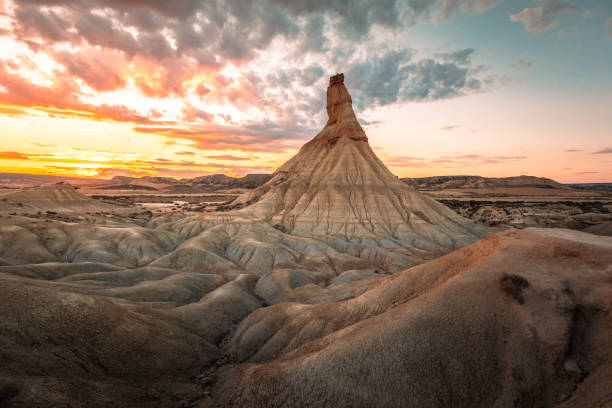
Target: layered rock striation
336,186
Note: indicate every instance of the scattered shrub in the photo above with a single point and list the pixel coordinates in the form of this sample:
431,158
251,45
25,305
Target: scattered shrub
514,285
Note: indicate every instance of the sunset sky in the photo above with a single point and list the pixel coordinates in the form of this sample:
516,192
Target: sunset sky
185,88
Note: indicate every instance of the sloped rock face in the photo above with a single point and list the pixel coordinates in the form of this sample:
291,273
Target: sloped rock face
331,208
519,319
336,186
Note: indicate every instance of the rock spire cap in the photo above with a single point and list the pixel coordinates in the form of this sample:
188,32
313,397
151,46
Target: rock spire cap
339,102
336,79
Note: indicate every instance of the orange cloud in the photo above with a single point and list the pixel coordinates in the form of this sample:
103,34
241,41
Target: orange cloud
59,98
218,137
13,156
10,111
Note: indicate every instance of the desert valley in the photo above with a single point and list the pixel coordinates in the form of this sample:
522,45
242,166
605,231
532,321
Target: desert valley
306,204
330,282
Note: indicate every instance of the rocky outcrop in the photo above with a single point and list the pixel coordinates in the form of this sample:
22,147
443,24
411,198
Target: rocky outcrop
518,319
336,186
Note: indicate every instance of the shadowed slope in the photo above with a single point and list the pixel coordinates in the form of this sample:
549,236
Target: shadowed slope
518,319
59,348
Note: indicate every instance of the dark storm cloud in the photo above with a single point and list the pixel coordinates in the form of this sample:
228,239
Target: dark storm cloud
310,75
211,33
285,78
181,9
430,80
545,16
145,20
47,24
210,30
378,80
355,15
396,77
99,30
155,45
315,39
461,57
174,42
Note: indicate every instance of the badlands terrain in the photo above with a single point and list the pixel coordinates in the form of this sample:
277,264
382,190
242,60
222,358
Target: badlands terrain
523,201
330,283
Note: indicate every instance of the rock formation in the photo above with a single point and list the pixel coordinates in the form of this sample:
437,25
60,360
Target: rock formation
331,208
519,319
54,197
336,187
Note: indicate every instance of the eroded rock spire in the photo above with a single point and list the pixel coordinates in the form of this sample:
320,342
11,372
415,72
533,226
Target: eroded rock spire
342,120
335,186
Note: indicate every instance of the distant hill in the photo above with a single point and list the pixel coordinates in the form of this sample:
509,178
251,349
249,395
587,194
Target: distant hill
450,182
591,186
19,180
127,187
52,197
248,181
199,184
125,180
209,181
219,181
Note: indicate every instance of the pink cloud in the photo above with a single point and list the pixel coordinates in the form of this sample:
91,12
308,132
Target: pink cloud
98,69
449,127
